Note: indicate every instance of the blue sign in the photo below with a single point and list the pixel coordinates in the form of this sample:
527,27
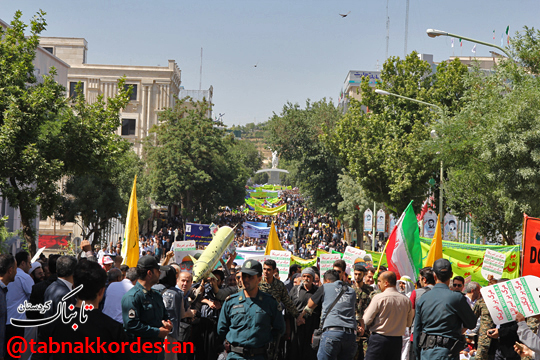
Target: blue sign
200,233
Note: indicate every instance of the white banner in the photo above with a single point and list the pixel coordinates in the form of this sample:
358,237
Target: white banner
257,232
368,220
327,262
506,299
283,261
381,220
391,223
493,264
351,255
430,223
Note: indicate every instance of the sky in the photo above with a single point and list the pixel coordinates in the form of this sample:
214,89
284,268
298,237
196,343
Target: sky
303,49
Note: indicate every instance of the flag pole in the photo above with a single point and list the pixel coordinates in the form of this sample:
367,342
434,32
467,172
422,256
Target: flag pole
380,261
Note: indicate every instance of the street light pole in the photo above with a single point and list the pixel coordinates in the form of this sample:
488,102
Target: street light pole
433,135
434,33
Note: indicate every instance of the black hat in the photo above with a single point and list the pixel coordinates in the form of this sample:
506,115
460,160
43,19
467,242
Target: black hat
148,263
360,267
442,266
251,267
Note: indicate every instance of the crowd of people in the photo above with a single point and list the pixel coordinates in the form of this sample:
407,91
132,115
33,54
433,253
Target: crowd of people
154,310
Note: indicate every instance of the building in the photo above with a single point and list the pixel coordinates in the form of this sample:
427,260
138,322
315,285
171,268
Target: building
154,87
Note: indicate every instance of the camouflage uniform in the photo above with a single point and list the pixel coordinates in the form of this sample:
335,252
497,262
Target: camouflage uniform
375,292
278,290
363,298
481,311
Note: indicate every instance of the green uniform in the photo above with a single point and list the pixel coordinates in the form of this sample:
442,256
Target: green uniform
278,290
250,323
143,312
362,299
480,310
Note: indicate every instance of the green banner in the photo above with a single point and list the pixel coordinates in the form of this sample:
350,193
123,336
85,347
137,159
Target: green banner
270,211
264,194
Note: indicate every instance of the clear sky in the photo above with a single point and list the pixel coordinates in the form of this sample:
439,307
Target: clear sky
303,48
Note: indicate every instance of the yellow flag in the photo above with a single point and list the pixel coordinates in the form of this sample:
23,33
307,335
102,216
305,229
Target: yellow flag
130,245
435,251
273,241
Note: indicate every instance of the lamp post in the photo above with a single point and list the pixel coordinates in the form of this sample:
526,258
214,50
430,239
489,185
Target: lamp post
434,33
433,135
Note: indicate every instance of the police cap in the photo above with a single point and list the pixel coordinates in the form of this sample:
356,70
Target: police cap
441,266
251,267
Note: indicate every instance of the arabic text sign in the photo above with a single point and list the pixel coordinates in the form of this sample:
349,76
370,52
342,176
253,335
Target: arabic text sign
327,261
283,261
493,264
199,233
350,255
505,300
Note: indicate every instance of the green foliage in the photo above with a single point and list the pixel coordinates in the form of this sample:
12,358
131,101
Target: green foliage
526,50
41,138
354,203
382,148
191,161
246,152
295,134
492,151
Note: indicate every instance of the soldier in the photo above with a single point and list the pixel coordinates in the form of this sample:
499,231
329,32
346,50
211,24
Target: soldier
276,288
481,311
143,310
363,299
247,317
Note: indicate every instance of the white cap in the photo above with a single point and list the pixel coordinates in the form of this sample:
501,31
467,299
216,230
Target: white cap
35,265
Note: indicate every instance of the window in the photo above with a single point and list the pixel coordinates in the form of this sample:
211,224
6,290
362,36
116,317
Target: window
73,89
128,126
133,96
49,49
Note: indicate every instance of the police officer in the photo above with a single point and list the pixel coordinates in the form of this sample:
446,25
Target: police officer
440,315
247,316
143,310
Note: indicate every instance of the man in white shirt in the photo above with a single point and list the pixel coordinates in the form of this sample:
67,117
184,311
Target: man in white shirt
18,291
114,294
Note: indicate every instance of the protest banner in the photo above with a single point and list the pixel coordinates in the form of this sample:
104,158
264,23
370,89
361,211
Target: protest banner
505,300
200,233
257,232
450,227
327,262
183,250
531,246
493,264
430,224
283,261
351,255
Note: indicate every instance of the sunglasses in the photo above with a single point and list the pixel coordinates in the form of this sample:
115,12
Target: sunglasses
458,285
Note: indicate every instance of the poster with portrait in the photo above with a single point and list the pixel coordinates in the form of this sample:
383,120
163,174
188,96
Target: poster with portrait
368,220
450,227
381,220
430,224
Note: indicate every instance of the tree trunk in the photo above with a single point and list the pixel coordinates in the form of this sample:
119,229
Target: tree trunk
29,232
359,237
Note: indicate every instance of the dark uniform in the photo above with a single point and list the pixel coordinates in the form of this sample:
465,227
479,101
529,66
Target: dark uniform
440,315
250,324
363,299
143,312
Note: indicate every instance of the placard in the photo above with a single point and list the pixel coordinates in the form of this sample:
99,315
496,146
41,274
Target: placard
327,262
381,220
350,256
283,261
430,223
450,227
368,220
506,299
183,250
493,264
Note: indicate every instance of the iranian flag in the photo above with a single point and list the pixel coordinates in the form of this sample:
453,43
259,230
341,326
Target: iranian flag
403,252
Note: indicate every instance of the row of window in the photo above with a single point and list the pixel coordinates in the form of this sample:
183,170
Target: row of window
73,90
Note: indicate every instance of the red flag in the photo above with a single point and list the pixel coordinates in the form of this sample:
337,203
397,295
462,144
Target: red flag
531,246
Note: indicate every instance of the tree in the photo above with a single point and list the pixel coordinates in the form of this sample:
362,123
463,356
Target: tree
41,138
353,205
192,162
381,149
491,147
295,135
